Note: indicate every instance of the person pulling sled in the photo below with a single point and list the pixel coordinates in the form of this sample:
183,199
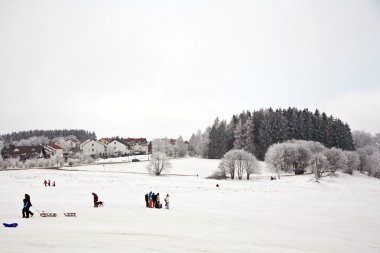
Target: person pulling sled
27,204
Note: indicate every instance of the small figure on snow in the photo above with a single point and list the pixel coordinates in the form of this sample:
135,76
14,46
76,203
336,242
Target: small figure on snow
150,204
154,199
53,183
167,201
45,182
158,205
27,205
146,199
49,182
217,185
95,199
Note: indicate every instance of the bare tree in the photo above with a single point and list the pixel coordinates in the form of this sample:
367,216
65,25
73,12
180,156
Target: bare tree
158,164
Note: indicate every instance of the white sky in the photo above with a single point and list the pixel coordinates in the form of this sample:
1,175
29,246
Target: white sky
167,68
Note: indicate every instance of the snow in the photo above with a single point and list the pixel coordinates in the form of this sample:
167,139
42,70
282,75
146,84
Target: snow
294,214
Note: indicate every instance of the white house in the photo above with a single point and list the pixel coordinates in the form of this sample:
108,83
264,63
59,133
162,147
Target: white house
141,148
54,149
116,148
93,147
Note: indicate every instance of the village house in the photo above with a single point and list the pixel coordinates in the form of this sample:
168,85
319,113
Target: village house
137,145
23,153
117,148
54,149
93,147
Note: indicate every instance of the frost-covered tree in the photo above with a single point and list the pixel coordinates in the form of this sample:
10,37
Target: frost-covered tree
362,139
163,146
288,156
180,148
319,165
353,162
238,161
32,141
158,163
195,142
336,159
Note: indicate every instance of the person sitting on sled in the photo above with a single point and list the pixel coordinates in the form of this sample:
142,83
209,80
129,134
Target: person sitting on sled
27,205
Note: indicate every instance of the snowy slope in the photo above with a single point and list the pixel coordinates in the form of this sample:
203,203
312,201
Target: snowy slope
294,214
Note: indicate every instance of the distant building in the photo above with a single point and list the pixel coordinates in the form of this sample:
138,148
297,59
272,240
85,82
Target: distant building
117,148
93,147
105,140
23,153
54,149
137,145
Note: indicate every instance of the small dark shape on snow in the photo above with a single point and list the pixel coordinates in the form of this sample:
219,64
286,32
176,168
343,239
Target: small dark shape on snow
135,160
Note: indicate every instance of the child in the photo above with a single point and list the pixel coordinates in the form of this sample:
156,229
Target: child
167,201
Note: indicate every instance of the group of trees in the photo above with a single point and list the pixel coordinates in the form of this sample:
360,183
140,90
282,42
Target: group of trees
297,155
368,148
255,132
80,134
238,162
172,148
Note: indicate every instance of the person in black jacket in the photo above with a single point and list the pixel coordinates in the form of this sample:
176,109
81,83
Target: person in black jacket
27,204
146,200
154,198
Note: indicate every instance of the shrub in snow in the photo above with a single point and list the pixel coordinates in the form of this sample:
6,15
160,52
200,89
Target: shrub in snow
158,163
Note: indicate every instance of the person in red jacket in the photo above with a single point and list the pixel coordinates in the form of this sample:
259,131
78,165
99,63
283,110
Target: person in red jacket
95,199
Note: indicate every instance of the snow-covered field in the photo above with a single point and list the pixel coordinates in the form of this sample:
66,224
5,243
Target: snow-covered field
294,214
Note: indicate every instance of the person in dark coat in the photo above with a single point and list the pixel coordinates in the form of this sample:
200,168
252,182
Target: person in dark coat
158,205
146,199
95,199
27,204
154,198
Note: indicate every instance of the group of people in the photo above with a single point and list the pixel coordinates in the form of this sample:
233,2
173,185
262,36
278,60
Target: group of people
47,183
153,200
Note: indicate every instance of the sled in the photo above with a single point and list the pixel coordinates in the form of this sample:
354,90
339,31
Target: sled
70,214
48,214
10,225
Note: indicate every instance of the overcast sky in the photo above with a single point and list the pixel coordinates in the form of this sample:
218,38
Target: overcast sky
167,68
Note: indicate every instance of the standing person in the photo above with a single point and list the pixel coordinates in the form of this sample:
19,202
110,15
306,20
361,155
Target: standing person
146,199
45,182
150,200
167,201
154,198
53,183
27,205
95,199
49,182
158,200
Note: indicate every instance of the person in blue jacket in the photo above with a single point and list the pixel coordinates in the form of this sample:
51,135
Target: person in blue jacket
27,204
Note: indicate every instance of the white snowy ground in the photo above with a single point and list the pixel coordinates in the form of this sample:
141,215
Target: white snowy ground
294,214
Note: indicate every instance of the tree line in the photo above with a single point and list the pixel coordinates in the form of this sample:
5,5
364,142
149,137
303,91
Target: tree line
256,131
80,134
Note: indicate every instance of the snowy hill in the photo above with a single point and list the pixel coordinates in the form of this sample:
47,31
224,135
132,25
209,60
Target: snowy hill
294,214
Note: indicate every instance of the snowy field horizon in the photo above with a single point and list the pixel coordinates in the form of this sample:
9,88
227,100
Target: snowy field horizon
293,214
